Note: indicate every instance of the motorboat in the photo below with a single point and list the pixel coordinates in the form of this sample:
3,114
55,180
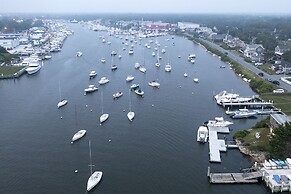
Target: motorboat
103,60
142,69
225,94
63,102
91,88
103,80
79,54
129,78
218,122
117,95
202,134
139,92
157,64
113,53
153,54
233,100
196,80
136,65
163,51
192,61
95,177
113,67
78,135
154,84
130,52
185,75
92,74
168,67
33,67
191,56
243,113
119,56
134,86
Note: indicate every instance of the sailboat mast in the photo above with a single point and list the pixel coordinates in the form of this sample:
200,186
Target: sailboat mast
60,91
102,101
90,157
129,101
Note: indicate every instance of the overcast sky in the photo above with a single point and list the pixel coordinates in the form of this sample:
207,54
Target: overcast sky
146,6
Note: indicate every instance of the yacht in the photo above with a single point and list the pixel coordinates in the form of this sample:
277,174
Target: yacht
218,122
130,52
134,86
113,53
103,80
78,135
154,84
168,67
196,80
136,65
79,54
192,61
202,134
33,68
243,113
63,102
142,69
129,78
185,75
113,67
117,95
139,92
225,94
103,60
191,56
92,74
91,88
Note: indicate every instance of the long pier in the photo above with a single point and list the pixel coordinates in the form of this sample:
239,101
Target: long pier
227,178
254,104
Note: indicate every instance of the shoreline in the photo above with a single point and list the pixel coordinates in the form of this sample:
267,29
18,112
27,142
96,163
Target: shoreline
256,156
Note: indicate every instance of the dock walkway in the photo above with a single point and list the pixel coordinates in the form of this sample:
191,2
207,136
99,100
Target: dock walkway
216,145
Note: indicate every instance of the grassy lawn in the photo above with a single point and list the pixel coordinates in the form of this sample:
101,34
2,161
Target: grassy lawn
282,101
267,68
9,70
261,144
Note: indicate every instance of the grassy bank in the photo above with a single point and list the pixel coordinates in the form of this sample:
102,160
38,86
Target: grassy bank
9,71
281,101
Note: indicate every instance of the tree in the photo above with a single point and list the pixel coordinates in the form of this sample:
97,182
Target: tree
287,56
281,142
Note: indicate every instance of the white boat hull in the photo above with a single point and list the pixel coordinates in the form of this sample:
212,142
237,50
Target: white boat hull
103,117
94,179
78,135
130,115
32,70
62,103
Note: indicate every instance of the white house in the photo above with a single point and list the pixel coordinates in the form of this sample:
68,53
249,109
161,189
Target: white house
187,25
254,51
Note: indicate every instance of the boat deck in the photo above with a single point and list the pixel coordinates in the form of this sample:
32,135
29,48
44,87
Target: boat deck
249,177
215,146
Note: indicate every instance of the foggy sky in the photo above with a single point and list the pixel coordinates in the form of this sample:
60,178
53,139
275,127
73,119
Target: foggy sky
147,6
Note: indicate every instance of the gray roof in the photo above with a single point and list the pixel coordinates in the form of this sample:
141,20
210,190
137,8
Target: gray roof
281,118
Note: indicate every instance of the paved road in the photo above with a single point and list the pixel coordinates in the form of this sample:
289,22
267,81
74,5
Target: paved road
250,66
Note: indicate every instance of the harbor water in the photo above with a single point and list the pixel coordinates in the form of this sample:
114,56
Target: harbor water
155,153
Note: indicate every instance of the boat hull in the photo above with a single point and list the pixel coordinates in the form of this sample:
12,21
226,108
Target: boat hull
94,179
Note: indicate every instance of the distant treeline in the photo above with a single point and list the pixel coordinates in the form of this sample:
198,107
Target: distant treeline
12,25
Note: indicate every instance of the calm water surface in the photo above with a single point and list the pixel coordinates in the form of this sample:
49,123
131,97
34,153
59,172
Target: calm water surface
156,153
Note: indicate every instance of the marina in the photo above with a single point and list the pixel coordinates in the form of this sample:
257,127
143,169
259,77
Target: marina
159,139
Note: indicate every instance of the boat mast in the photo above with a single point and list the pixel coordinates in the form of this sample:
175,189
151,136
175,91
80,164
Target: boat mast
60,91
129,101
102,101
90,157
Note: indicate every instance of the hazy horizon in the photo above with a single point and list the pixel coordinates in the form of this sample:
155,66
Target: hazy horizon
281,7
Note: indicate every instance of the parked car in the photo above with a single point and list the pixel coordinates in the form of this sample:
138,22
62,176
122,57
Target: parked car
278,91
276,82
261,74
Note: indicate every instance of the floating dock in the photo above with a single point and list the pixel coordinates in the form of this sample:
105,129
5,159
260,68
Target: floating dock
248,104
216,145
227,178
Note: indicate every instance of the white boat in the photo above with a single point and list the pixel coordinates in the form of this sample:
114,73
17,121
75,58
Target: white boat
119,56
153,54
91,88
104,116
103,80
191,56
218,122
185,75
130,114
134,86
192,61
78,135
225,94
95,177
137,65
33,67
202,134
196,80
139,92
113,53
129,78
163,51
243,113
103,60
47,57
79,54
168,67
92,74
130,52
117,95
113,67
154,84
62,102
142,69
